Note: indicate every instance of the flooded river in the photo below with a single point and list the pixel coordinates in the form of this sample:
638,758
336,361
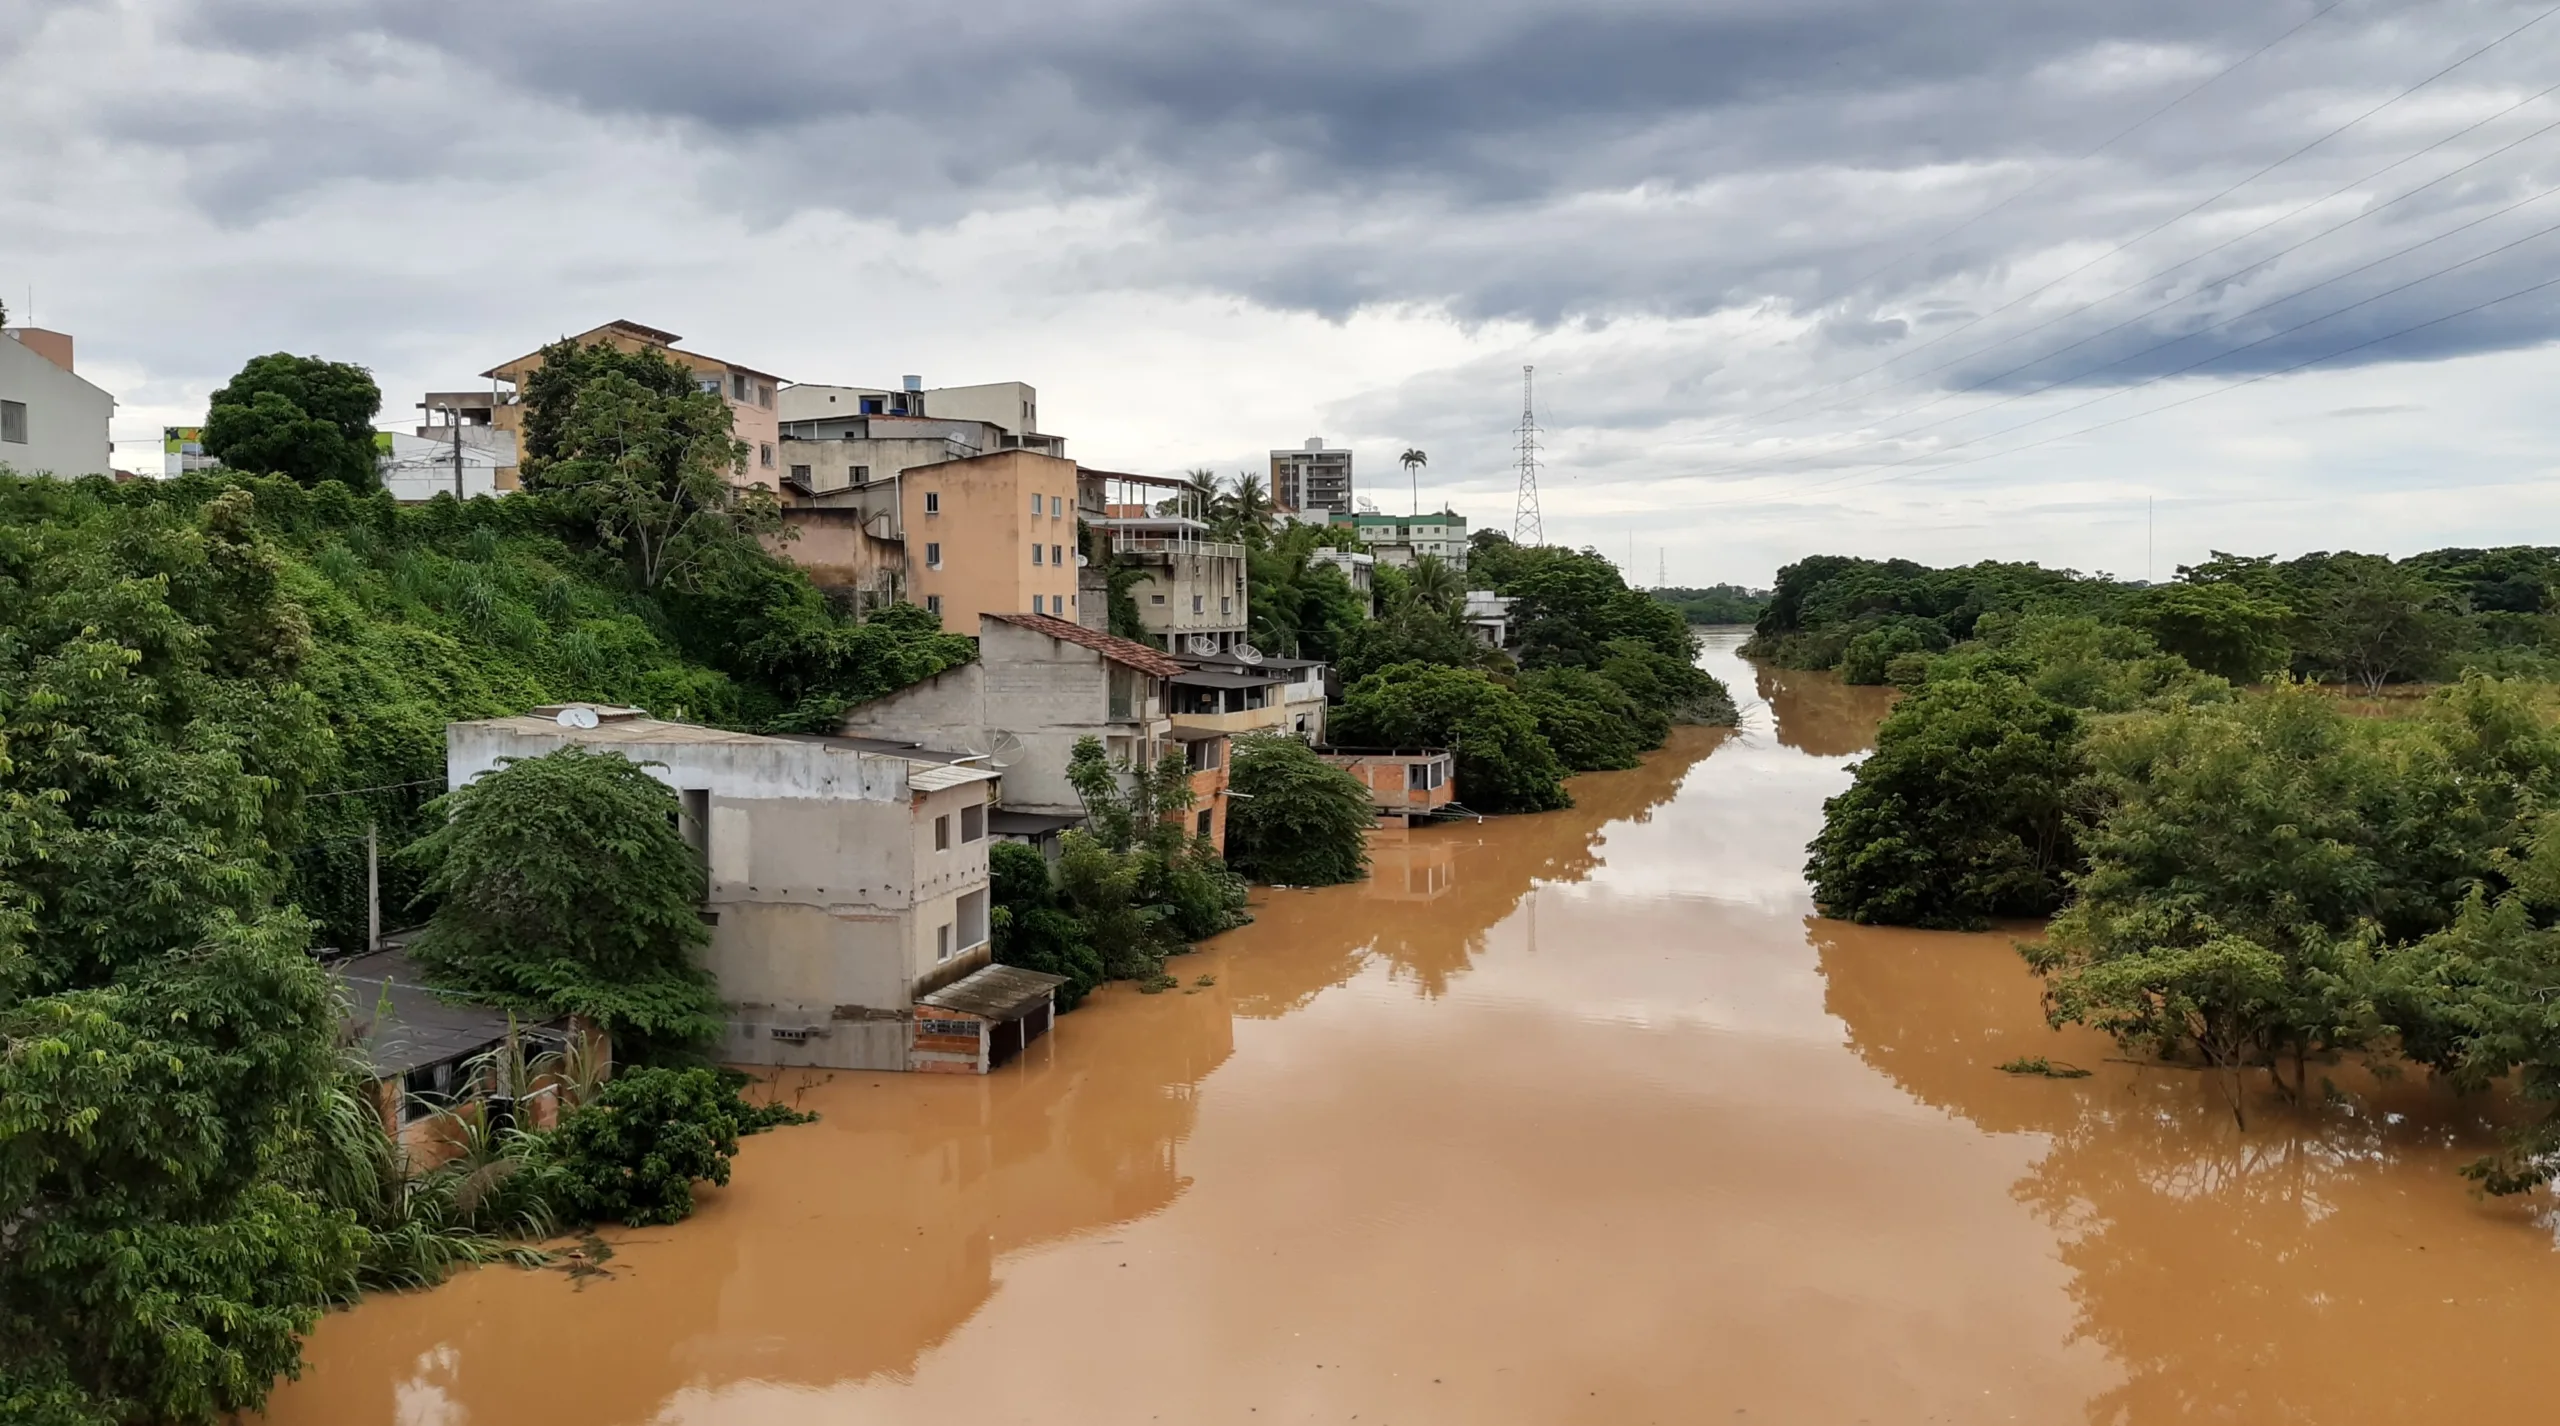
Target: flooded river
1570,1118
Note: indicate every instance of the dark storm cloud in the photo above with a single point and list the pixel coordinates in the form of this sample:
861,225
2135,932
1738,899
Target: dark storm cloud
1544,161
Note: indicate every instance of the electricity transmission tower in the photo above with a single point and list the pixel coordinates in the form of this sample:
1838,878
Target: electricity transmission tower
1527,527
1662,569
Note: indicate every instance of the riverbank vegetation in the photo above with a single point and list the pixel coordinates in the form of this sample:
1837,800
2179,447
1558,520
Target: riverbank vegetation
1716,604
2244,873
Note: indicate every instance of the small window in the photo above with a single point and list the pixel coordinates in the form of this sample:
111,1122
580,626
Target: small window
1058,555
933,605
1155,599
737,387
870,405
707,385
973,920
764,394
1057,506
1035,507
857,473
973,822
1199,603
942,833
1205,822
933,554
13,422
800,473
1417,777
1226,604
941,944
764,454
1037,552
933,502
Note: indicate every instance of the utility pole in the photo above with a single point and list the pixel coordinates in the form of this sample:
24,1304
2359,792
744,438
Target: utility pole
372,891
1528,527
457,455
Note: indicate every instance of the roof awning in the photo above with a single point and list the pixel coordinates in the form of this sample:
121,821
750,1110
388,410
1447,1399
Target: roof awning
934,777
996,993
1219,678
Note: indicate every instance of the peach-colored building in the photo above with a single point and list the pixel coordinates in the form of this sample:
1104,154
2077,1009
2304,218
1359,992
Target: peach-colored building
1403,783
748,392
991,534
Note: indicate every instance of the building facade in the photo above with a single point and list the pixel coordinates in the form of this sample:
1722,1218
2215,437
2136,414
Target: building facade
751,396
1038,686
459,460
848,877
1009,409
1400,540
1190,590
52,421
1312,480
992,534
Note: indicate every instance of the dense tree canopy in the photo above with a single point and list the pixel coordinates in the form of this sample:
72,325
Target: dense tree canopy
295,416
1503,764
1295,819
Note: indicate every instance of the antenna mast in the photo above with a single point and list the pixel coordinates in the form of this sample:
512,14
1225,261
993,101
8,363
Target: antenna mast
1662,569
1527,526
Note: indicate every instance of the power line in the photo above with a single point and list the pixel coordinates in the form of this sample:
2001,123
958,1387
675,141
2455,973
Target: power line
2208,202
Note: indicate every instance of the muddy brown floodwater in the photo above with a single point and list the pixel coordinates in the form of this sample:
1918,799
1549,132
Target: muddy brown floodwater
1571,1118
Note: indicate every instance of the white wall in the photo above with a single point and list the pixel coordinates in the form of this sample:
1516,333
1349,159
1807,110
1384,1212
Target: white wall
66,417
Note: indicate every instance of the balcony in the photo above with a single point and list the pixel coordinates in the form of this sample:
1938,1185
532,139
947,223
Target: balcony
1249,720
1131,542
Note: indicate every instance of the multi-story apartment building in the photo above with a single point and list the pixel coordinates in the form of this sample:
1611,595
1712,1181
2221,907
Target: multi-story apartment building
1010,408
1312,480
848,894
52,420
1190,592
990,534
1401,539
750,394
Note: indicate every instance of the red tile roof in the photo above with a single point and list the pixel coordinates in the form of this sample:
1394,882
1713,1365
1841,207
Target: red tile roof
1111,646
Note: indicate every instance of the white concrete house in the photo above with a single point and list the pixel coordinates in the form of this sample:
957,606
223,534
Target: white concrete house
51,421
848,879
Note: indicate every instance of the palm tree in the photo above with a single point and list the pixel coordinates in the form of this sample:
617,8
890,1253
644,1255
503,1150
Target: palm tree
1204,483
1434,585
1250,503
1414,460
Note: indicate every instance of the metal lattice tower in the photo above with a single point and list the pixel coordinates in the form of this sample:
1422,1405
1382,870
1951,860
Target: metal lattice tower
1527,526
1662,569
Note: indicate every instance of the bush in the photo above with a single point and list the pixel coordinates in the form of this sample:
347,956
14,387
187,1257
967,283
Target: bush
1296,819
1031,930
633,1154
1590,721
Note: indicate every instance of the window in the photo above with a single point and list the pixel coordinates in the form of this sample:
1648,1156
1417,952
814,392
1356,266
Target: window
1057,506
1417,777
933,605
1155,599
1036,553
933,502
973,920
737,387
941,943
1199,603
870,405
933,554
13,422
1226,604
1058,555
942,833
707,385
1205,824
1201,756
973,822
764,454
1124,693
857,473
800,473
764,394
1035,507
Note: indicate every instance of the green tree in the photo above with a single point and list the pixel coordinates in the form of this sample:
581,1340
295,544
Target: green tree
633,453
2374,622
295,416
1503,765
1962,813
1031,929
565,888
2218,627
1296,819
1591,722
1413,460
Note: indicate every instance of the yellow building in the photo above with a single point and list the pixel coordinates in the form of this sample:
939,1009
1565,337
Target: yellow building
749,392
991,534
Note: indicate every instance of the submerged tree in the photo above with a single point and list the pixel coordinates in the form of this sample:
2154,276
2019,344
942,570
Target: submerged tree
1296,819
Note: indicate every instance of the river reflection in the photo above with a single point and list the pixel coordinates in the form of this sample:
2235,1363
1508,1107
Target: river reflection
1570,1118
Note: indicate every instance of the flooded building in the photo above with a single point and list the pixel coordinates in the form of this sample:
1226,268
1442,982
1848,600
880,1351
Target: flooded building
1403,783
432,1057
848,875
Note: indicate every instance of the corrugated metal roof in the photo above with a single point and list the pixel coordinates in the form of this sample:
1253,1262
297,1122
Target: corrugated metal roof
934,777
401,1025
997,992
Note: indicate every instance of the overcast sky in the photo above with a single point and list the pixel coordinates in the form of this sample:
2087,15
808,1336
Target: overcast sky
1952,279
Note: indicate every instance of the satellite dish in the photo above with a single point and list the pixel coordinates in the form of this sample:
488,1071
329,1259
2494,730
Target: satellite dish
577,716
1204,645
1247,654
1002,747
